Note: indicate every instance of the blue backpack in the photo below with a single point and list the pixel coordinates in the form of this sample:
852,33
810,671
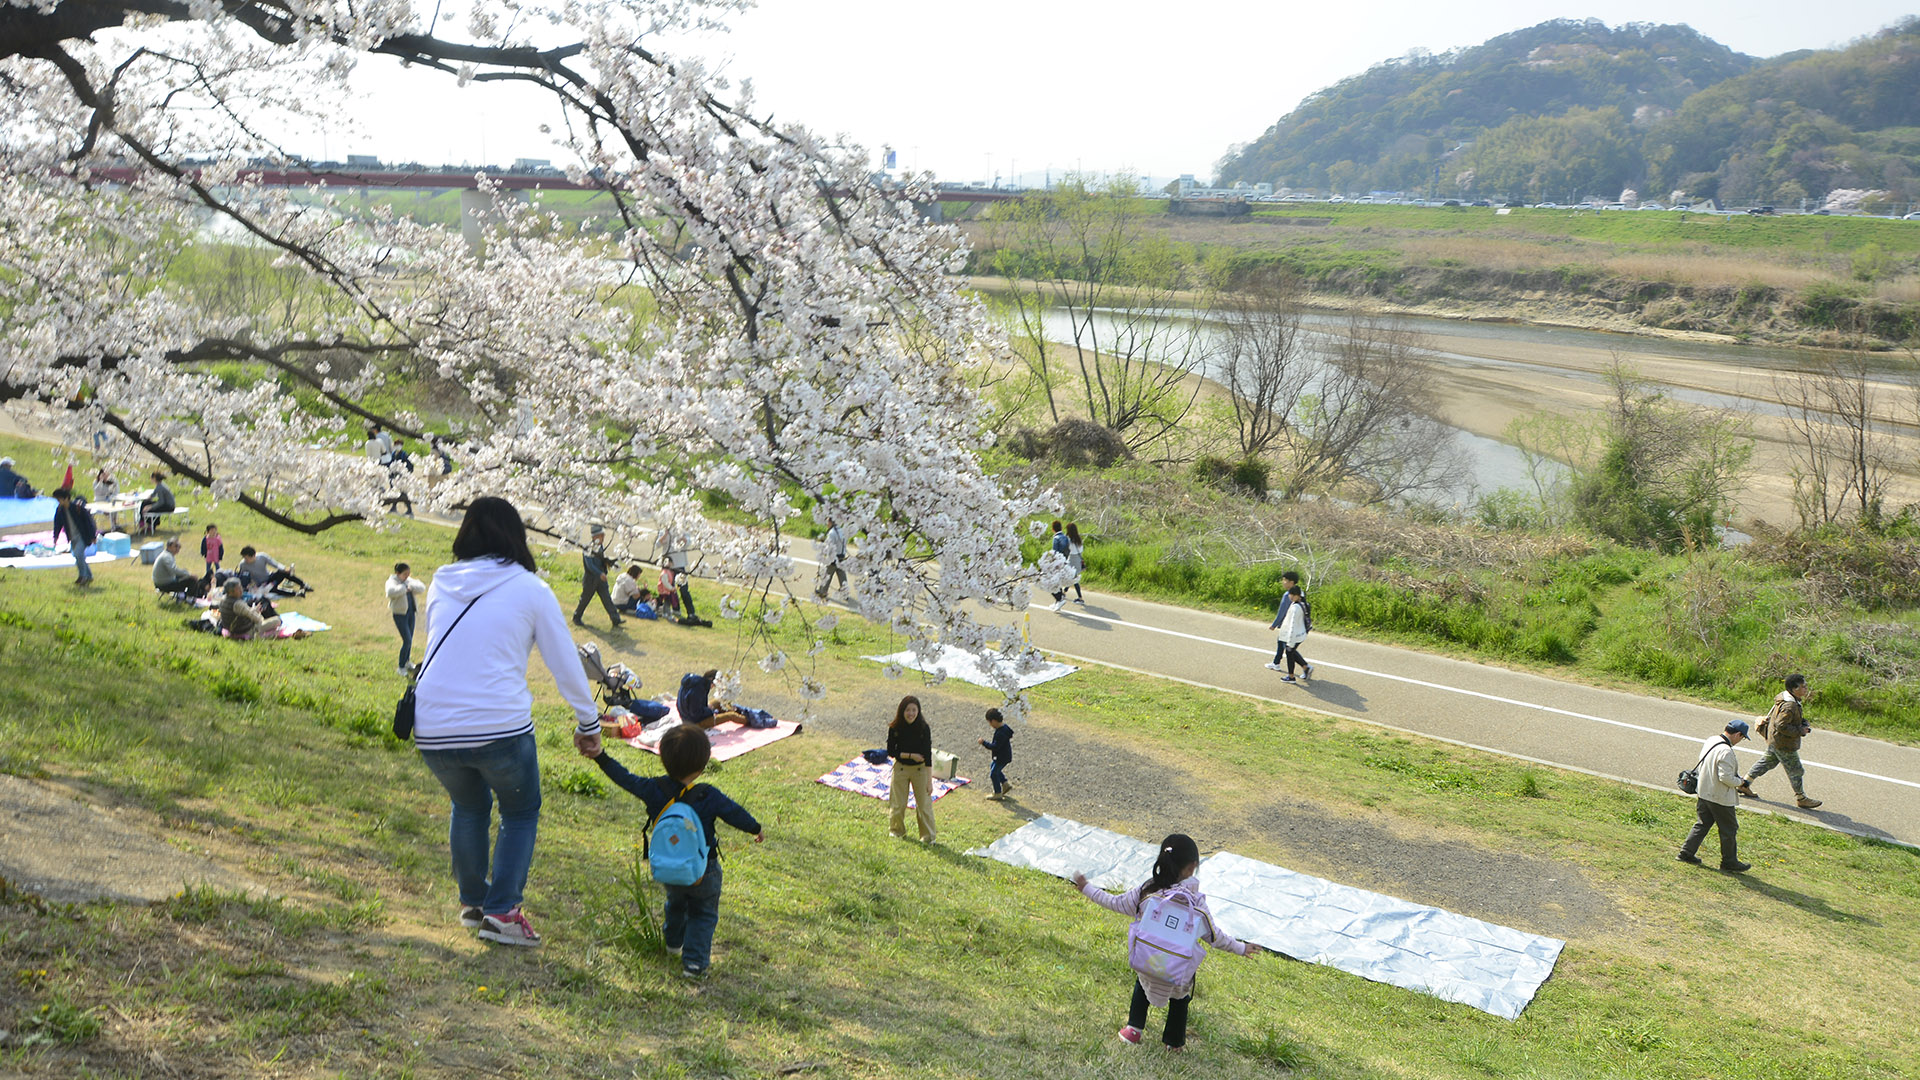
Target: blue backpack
676,844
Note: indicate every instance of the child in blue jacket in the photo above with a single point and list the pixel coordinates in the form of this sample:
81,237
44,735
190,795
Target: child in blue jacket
692,910
1002,750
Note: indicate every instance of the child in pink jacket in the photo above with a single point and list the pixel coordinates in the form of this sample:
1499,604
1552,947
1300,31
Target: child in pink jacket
1175,868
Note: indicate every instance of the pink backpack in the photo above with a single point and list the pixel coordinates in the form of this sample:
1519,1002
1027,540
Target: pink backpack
1164,942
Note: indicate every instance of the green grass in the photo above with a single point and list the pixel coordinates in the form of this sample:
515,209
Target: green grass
837,945
1648,230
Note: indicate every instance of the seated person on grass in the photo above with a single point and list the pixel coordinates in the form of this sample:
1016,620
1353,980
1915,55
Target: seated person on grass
170,577
697,706
12,484
259,570
629,594
240,620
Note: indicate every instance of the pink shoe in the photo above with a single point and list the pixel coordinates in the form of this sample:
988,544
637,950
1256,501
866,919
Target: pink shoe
1130,1034
509,929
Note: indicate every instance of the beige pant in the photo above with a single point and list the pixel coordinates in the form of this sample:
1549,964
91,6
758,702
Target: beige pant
918,779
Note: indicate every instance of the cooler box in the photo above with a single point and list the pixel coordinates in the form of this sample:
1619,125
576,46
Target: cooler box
150,553
117,543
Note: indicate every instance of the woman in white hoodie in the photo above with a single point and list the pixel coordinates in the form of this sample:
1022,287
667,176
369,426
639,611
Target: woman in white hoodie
473,712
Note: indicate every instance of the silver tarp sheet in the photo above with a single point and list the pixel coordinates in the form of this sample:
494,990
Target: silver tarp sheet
1493,968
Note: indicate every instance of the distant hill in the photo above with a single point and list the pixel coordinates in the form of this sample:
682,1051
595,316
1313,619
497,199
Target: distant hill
1571,108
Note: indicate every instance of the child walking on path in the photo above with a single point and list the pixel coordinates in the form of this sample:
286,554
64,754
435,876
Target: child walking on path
1173,874
1001,748
692,910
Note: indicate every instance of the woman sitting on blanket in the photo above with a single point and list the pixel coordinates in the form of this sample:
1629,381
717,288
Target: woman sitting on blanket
241,621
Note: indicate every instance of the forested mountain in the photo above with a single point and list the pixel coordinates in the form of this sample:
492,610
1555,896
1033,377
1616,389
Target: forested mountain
1571,108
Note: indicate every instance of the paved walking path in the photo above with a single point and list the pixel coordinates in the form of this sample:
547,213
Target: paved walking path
1871,788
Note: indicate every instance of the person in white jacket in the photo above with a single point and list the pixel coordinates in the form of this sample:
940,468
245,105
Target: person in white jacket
1715,799
403,599
473,709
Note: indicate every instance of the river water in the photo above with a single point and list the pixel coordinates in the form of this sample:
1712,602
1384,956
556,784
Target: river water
1454,343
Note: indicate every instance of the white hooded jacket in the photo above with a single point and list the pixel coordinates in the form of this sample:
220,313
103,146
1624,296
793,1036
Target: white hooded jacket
476,692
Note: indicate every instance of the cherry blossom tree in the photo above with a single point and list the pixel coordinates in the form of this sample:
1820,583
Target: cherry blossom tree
766,324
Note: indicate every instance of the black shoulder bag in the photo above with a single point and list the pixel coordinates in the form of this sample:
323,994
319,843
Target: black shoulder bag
403,709
1689,779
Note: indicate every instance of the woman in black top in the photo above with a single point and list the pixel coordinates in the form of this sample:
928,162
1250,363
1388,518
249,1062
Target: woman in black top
910,745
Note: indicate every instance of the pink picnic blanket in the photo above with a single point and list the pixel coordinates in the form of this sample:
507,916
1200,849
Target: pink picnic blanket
729,740
862,777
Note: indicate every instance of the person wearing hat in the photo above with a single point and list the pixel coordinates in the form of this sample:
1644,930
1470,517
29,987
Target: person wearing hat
593,577
1715,799
12,484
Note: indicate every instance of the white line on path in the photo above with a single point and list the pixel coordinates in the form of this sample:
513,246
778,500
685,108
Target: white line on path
1469,693
1441,686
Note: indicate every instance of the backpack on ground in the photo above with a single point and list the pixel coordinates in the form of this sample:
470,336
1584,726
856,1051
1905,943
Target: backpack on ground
1164,942
676,844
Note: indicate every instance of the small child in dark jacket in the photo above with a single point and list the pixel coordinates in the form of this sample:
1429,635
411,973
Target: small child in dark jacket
1001,747
692,910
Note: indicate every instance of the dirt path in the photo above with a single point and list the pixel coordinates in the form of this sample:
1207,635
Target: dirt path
1075,775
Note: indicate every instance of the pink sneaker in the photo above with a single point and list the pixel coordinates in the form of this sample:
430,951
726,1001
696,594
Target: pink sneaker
509,929
1130,1034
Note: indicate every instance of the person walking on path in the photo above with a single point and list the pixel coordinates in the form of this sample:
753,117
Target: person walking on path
1714,799
910,745
692,911
473,710
593,578
1294,621
1077,559
834,550
1001,747
403,595
1173,872
1060,546
1784,727
71,517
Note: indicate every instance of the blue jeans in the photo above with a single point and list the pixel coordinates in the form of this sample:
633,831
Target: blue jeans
404,624
998,774
80,561
510,769
692,913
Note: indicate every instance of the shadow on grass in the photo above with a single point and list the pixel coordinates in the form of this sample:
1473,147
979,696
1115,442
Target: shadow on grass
1812,905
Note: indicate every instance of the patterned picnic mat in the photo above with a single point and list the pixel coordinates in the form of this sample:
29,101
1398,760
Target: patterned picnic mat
864,778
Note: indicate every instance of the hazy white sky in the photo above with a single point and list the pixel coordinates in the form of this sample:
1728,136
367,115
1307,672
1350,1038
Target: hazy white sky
975,88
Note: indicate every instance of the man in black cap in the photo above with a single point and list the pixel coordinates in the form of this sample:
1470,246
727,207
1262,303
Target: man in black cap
1715,801
593,577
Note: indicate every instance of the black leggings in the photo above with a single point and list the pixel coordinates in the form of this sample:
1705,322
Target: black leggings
1291,654
1175,1033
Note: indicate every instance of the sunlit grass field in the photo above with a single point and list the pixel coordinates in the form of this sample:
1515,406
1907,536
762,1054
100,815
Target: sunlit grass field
841,952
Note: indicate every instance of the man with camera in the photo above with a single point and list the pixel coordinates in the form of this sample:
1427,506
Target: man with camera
1715,801
1783,728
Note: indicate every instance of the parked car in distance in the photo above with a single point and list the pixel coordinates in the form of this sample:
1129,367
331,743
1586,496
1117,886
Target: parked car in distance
1545,206
1760,210
1915,216
1451,202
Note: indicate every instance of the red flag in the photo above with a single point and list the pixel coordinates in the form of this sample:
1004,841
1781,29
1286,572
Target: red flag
68,482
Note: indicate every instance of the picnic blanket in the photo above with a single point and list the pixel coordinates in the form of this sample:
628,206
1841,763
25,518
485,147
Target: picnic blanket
965,666
862,777
54,562
291,622
34,511
729,740
1493,968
